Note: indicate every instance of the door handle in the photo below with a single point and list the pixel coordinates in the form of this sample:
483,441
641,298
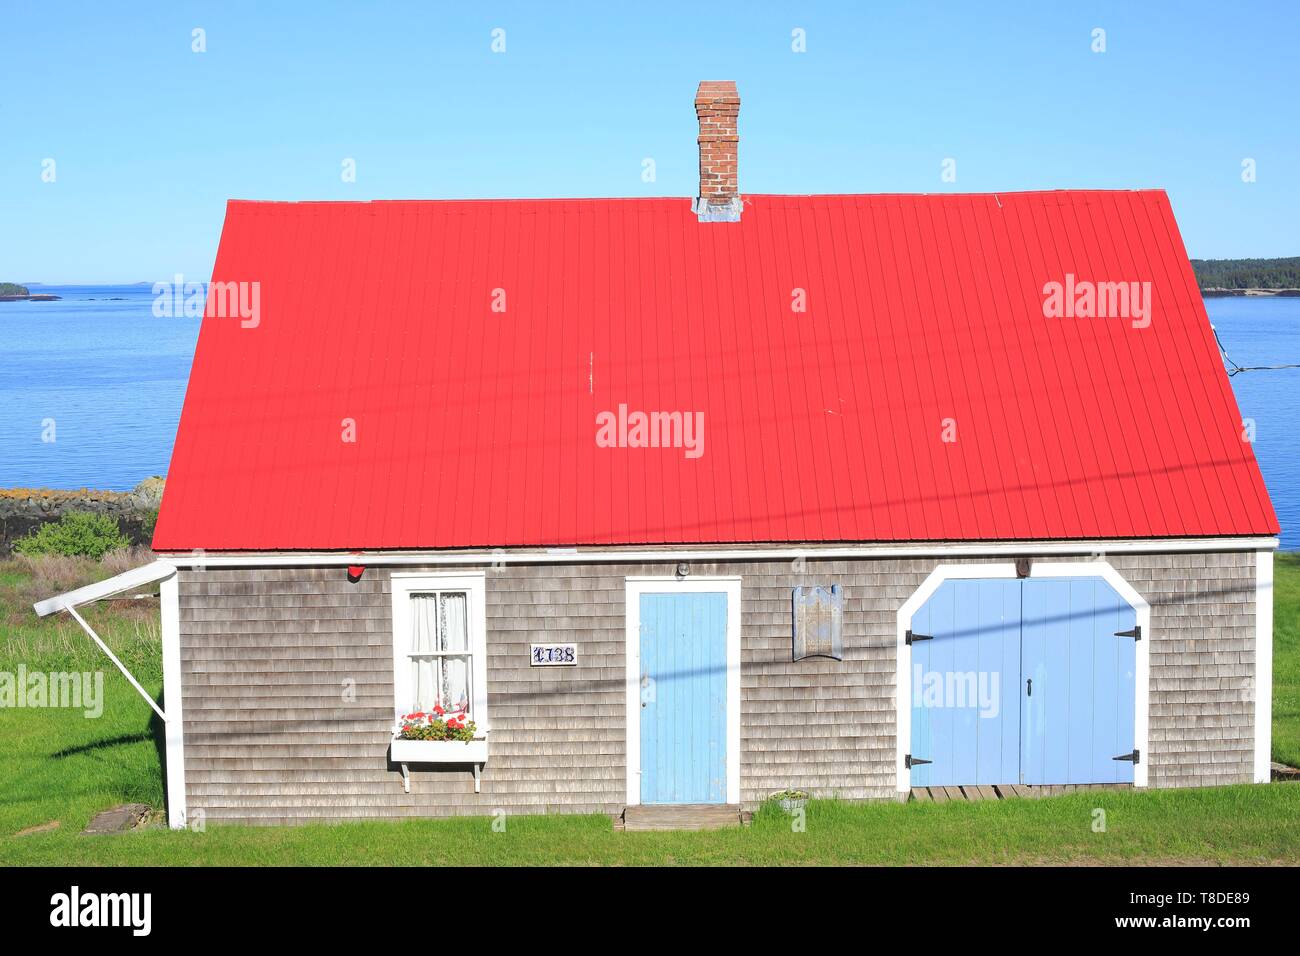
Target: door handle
1029,687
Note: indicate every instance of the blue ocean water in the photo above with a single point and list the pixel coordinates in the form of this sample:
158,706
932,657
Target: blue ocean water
1266,331
112,378
108,373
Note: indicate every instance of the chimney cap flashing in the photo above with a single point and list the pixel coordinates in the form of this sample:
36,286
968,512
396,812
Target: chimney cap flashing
707,211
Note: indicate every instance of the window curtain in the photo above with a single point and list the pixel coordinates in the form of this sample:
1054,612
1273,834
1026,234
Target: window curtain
455,637
440,652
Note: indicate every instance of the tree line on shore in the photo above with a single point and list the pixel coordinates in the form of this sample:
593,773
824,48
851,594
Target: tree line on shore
1210,274
1247,273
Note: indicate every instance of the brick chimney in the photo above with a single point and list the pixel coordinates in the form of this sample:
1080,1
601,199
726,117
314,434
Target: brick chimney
717,104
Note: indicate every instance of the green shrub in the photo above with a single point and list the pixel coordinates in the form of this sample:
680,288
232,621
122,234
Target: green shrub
77,533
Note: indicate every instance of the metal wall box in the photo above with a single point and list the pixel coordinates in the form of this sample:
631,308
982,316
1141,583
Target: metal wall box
818,622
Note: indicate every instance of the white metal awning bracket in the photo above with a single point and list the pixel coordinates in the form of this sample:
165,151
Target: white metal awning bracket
113,657
136,577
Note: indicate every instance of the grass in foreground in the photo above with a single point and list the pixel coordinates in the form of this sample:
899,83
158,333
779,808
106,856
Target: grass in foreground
1249,825
1286,658
57,765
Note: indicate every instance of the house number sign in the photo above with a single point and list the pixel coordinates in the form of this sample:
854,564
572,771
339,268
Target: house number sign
554,655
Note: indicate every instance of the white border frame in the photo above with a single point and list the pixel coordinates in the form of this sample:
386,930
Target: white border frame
634,587
1038,569
474,584
1263,666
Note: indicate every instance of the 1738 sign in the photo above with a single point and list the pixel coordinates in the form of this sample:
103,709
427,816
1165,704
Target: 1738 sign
554,655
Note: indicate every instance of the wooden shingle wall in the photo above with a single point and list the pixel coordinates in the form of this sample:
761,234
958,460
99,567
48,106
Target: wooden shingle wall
1202,706
288,687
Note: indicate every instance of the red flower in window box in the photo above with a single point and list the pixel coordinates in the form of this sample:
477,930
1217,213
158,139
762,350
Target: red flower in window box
422,726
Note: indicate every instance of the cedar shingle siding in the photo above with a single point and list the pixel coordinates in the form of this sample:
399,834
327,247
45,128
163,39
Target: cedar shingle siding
271,655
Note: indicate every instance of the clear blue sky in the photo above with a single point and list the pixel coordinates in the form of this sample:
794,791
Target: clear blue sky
150,139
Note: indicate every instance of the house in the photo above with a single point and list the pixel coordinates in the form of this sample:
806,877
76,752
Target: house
690,501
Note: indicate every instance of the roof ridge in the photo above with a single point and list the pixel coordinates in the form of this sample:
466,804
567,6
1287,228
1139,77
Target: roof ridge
1155,190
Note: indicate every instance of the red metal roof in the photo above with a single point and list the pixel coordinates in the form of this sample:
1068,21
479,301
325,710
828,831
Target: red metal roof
478,428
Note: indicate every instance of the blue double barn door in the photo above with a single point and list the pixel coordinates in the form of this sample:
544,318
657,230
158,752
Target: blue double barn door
683,698
1022,681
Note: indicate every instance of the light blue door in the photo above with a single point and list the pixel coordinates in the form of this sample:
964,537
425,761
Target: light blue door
965,679
1079,682
1023,681
684,698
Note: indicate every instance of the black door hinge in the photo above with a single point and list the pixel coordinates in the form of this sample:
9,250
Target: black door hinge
1135,757
909,761
1135,633
917,637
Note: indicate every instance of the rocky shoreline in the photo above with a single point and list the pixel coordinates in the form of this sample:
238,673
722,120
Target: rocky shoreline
1227,293
23,510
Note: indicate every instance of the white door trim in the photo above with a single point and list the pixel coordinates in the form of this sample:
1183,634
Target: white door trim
1044,569
634,588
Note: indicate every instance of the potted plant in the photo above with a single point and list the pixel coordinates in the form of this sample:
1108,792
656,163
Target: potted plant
438,736
791,800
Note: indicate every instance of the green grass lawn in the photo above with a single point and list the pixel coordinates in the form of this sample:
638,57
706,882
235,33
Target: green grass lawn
1286,659
56,765
1222,825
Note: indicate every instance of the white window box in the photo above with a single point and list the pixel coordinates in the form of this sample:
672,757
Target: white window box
440,751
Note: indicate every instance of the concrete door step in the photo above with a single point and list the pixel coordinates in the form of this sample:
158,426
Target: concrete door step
683,816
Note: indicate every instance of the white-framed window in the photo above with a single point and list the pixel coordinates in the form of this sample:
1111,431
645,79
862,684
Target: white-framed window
440,644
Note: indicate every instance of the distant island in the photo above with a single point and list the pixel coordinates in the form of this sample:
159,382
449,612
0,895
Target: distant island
1230,277
1215,277
13,292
